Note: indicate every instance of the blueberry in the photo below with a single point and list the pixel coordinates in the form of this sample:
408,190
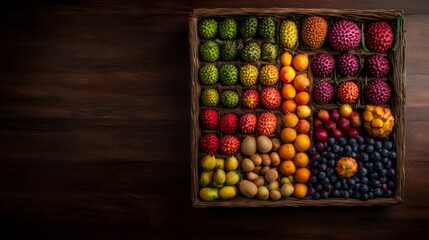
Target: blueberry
375,156
352,142
322,175
356,195
388,164
333,179
383,179
391,172
369,165
353,155
330,171
351,182
374,175
355,148
314,171
329,149
331,141
318,187
350,191
392,155
382,172
388,145
369,141
388,193
330,155
323,160
331,163
344,184
315,156
312,150
357,185
345,194
328,187
378,192
313,179
316,196
390,185
375,184
320,146
347,149
360,140
324,194
363,171
378,166
322,167
335,148
364,188
336,193
364,197
369,149
314,164
362,147
324,153
384,153
364,180
384,160
325,181
342,141
337,185
378,145
356,178
364,157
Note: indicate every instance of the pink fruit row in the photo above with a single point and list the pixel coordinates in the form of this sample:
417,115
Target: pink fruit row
270,98
344,122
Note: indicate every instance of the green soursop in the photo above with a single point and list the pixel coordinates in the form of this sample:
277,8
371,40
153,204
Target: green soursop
248,27
228,50
267,28
207,28
209,51
269,52
228,28
228,74
251,52
208,74
229,99
210,97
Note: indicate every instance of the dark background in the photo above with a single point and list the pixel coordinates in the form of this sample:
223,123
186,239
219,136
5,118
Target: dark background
94,128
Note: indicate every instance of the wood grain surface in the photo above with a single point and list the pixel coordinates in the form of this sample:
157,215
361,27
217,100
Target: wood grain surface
94,128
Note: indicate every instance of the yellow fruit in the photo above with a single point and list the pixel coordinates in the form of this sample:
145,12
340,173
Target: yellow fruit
220,163
287,151
227,192
303,111
367,116
287,189
346,167
288,106
301,82
209,194
288,135
286,58
290,120
378,121
208,162
300,62
288,91
302,142
287,167
287,74
301,159
288,34
300,190
378,111
345,110
231,163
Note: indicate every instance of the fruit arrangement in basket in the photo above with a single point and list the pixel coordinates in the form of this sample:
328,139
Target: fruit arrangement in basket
295,107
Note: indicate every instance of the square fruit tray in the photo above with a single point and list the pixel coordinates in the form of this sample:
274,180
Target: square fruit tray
297,107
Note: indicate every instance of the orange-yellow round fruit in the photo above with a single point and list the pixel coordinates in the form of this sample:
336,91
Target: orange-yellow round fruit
300,62
302,98
303,126
302,175
288,92
288,106
290,120
346,167
287,151
287,74
287,167
302,142
303,111
286,58
288,135
301,159
301,82
300,190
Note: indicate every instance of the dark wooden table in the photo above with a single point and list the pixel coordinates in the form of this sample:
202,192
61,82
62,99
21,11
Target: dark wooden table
94,129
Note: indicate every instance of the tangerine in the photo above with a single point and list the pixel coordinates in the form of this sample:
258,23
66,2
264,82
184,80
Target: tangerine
288,135
288,106
300,62
290,120
302,142
288,92
301,82
287,167
301,159
303,126
302,98
287,151
300,190
287,74
286,58
302,175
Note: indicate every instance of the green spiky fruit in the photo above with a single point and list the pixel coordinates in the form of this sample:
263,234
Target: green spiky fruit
207,28
288,34
248,75
251,52
210,97
228,28
269,52
208,74
209,51
248,27
229,99
228,50
267,28
228,74
269,75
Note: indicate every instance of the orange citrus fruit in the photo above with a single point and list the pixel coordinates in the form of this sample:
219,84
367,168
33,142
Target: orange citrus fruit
288,91
288,106
302,142
300,190
303,126
286,58
300,62
290,120
302,98
303,111
287,74
288,135
301,159
301,82
302,175
287,167
287,151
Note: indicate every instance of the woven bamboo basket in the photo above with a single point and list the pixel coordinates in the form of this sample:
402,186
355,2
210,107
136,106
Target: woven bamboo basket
397,102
